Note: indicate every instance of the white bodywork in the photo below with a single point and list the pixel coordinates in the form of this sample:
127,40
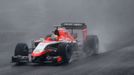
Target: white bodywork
42,45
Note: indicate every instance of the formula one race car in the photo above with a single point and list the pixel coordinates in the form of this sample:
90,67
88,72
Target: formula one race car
57,47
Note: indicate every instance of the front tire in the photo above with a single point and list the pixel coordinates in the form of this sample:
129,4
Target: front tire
21,51
65,51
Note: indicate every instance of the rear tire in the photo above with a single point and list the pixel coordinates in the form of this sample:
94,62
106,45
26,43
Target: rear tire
91,45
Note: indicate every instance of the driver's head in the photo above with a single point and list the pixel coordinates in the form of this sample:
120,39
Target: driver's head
56,32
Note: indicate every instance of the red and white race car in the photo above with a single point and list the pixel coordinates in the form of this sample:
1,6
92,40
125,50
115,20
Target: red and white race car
57,47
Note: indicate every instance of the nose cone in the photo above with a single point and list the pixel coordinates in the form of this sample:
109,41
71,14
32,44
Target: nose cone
37,54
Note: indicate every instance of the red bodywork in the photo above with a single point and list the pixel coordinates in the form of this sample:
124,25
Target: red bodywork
64,35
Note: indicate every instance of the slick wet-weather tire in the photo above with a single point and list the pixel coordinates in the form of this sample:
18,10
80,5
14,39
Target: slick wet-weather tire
91,45
65,51
21,50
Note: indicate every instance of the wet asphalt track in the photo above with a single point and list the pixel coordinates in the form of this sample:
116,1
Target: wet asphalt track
112,20
116,62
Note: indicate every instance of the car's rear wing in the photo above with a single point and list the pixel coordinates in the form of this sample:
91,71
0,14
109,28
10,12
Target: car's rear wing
76,26
69,25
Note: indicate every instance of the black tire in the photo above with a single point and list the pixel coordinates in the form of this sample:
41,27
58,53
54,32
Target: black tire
65,51
91,45
21,49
